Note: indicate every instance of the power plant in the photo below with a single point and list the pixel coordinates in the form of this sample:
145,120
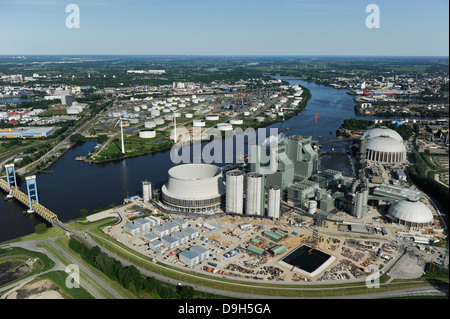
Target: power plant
286,173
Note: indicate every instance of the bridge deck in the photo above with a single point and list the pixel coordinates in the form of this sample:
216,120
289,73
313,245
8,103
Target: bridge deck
23,198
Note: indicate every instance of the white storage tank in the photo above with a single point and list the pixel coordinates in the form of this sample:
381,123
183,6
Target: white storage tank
253,194
150,124
155,112
246,113
198,123
137,108
235,192
236,121
212,117
168,117
147,133
273,202
224,127
189,115
159,121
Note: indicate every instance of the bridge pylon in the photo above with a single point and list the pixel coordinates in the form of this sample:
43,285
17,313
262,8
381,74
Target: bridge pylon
10,179
32,192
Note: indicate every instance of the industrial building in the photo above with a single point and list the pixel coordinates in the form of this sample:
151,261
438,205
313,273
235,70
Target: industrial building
194,188
411,213
385,146
27,132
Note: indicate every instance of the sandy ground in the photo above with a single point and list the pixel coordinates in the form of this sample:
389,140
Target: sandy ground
43,289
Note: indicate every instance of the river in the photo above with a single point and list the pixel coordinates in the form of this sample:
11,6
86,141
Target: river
75,185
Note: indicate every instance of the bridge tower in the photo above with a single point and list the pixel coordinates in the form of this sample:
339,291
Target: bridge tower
32,192
10,178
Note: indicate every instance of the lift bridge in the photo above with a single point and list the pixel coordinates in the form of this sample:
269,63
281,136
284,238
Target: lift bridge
31,200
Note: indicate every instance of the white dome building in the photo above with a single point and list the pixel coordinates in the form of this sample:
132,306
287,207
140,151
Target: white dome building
194,188
384,131
385,146
411,213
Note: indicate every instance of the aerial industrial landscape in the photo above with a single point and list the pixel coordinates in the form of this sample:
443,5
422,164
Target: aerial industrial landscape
224,177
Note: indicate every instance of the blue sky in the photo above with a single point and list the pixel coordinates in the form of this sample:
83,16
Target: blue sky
226,27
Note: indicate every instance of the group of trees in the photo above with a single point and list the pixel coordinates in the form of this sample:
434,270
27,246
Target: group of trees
424,179
128,276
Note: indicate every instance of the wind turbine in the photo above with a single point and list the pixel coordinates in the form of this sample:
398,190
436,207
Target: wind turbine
175,127
121,130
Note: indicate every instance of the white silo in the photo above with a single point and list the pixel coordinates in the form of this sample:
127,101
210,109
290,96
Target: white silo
235,192
312,207
273,202
146,191
253,203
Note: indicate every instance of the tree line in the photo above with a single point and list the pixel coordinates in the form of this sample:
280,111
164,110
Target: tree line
128,276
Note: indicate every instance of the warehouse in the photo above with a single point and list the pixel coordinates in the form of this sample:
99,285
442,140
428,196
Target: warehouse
276,250
255,250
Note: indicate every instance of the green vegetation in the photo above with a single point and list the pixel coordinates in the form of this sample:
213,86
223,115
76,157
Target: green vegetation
128,276
422,175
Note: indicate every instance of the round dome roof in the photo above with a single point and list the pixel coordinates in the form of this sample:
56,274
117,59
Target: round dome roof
411,211
385,144
383,131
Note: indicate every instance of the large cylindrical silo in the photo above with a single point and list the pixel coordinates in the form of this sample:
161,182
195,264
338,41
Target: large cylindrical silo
273,202
253,194
312,207
235,192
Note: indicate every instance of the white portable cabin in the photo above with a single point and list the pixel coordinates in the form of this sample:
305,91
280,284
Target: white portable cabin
189,258
143,224
131,229
149,237
191,232
181,236
202,252
170,241
180,222
160,231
